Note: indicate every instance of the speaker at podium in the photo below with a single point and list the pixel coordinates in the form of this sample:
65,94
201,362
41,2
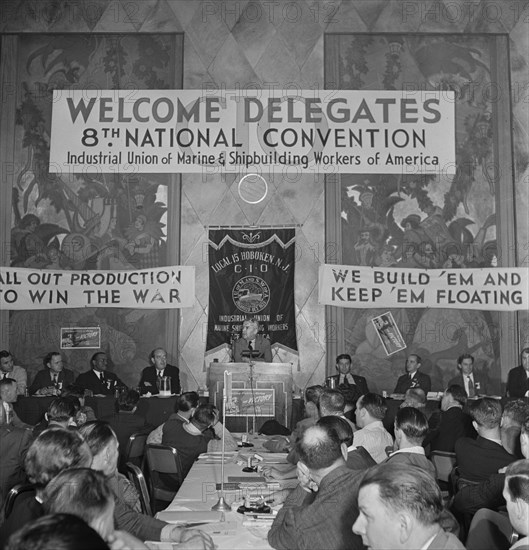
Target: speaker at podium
260,391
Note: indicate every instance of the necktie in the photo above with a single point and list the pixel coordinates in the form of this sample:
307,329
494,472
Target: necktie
54,379
250,347
5,375
471,389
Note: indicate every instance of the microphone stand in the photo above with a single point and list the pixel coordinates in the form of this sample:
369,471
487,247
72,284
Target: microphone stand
222,505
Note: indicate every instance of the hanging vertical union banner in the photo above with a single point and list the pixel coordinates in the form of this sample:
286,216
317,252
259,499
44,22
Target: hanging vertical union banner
251,274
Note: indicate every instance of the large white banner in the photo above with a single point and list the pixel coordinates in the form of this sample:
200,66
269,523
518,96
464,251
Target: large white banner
153,288
309,131
500,289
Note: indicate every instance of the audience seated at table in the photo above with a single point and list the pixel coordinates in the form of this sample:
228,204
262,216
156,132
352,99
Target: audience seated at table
86,494
320,512
125,423
518,379
85,413
98,380
53,377
58,531
159,367
473,383
60,414
411,428
477,459
451,423
8,369
14,444
512,418
400,507
8,396
53,451
371,434
413,377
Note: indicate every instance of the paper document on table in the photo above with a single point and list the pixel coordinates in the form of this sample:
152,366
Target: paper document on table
192,517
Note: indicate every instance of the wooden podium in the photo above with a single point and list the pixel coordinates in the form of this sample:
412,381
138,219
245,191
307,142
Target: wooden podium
260,376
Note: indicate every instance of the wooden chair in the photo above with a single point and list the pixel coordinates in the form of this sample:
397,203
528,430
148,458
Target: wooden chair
13,494
137,478
163,459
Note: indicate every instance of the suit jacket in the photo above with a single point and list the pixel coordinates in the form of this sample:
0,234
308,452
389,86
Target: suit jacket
454,424
478,380
420,380
14,444
90,381
445,541
517,382
21,376
478,459
320,520
149,378
359,387
262,345
43,380
125,424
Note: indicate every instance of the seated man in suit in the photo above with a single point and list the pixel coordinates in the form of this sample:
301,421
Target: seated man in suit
53,377
320,512
345,379
98,380
149,382
477,459
8,396
451,423
400,508
518,380
413,378
473,383
252,344
8,369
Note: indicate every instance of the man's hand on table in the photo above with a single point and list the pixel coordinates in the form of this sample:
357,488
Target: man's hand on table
121,540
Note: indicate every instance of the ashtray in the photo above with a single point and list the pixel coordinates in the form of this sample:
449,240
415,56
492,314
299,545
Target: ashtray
261,509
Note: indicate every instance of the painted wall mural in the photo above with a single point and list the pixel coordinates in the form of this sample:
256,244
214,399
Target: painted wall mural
89,220
424,221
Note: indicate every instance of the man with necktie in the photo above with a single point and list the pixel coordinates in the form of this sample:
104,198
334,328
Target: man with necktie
8,369
473,383
252,345
413,378
53,377
99,380
151,376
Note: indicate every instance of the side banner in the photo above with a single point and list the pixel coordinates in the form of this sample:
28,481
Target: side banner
218,131
251,274
156,288
494,289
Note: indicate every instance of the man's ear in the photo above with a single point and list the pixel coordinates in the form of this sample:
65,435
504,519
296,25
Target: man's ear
406,527
343,448
475,425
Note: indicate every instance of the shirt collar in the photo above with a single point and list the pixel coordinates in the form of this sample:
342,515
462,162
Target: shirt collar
417,450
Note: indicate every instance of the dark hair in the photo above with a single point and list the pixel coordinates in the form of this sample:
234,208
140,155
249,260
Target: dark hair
151,355
80,491
61,409
413,424
319,447
94,357
313,394
54,450
525,350
517,410
332,400
374,404
73,391
517,480
4,353
48,357
418,357
187,401
7,382
486,412
340,426
344,356
57,532
464,356
404,487
127,400
97,434
458,393
204,416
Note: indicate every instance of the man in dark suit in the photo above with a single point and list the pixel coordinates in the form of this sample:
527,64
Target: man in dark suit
473,383
351,385
52,377
149,382
98,380
518,380
413,378
252,345
452,423
478,459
